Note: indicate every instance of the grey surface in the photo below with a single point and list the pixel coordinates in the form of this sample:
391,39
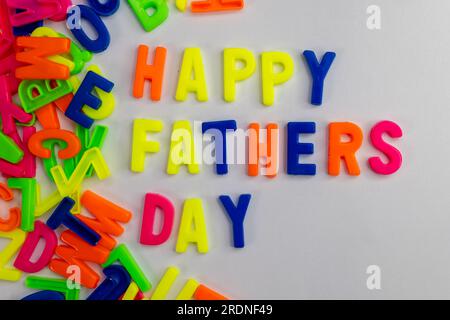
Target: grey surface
306,237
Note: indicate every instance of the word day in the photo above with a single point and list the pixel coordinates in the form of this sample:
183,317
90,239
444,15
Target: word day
192,229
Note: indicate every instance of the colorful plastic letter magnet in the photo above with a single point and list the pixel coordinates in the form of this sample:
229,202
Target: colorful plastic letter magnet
62,215
72,143
216,5
114,286
28,28
9,150
84,96
45,295
150,22
35,94
23,12
35,51
105,8
101,43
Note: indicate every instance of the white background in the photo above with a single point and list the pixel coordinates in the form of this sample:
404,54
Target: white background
306,237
